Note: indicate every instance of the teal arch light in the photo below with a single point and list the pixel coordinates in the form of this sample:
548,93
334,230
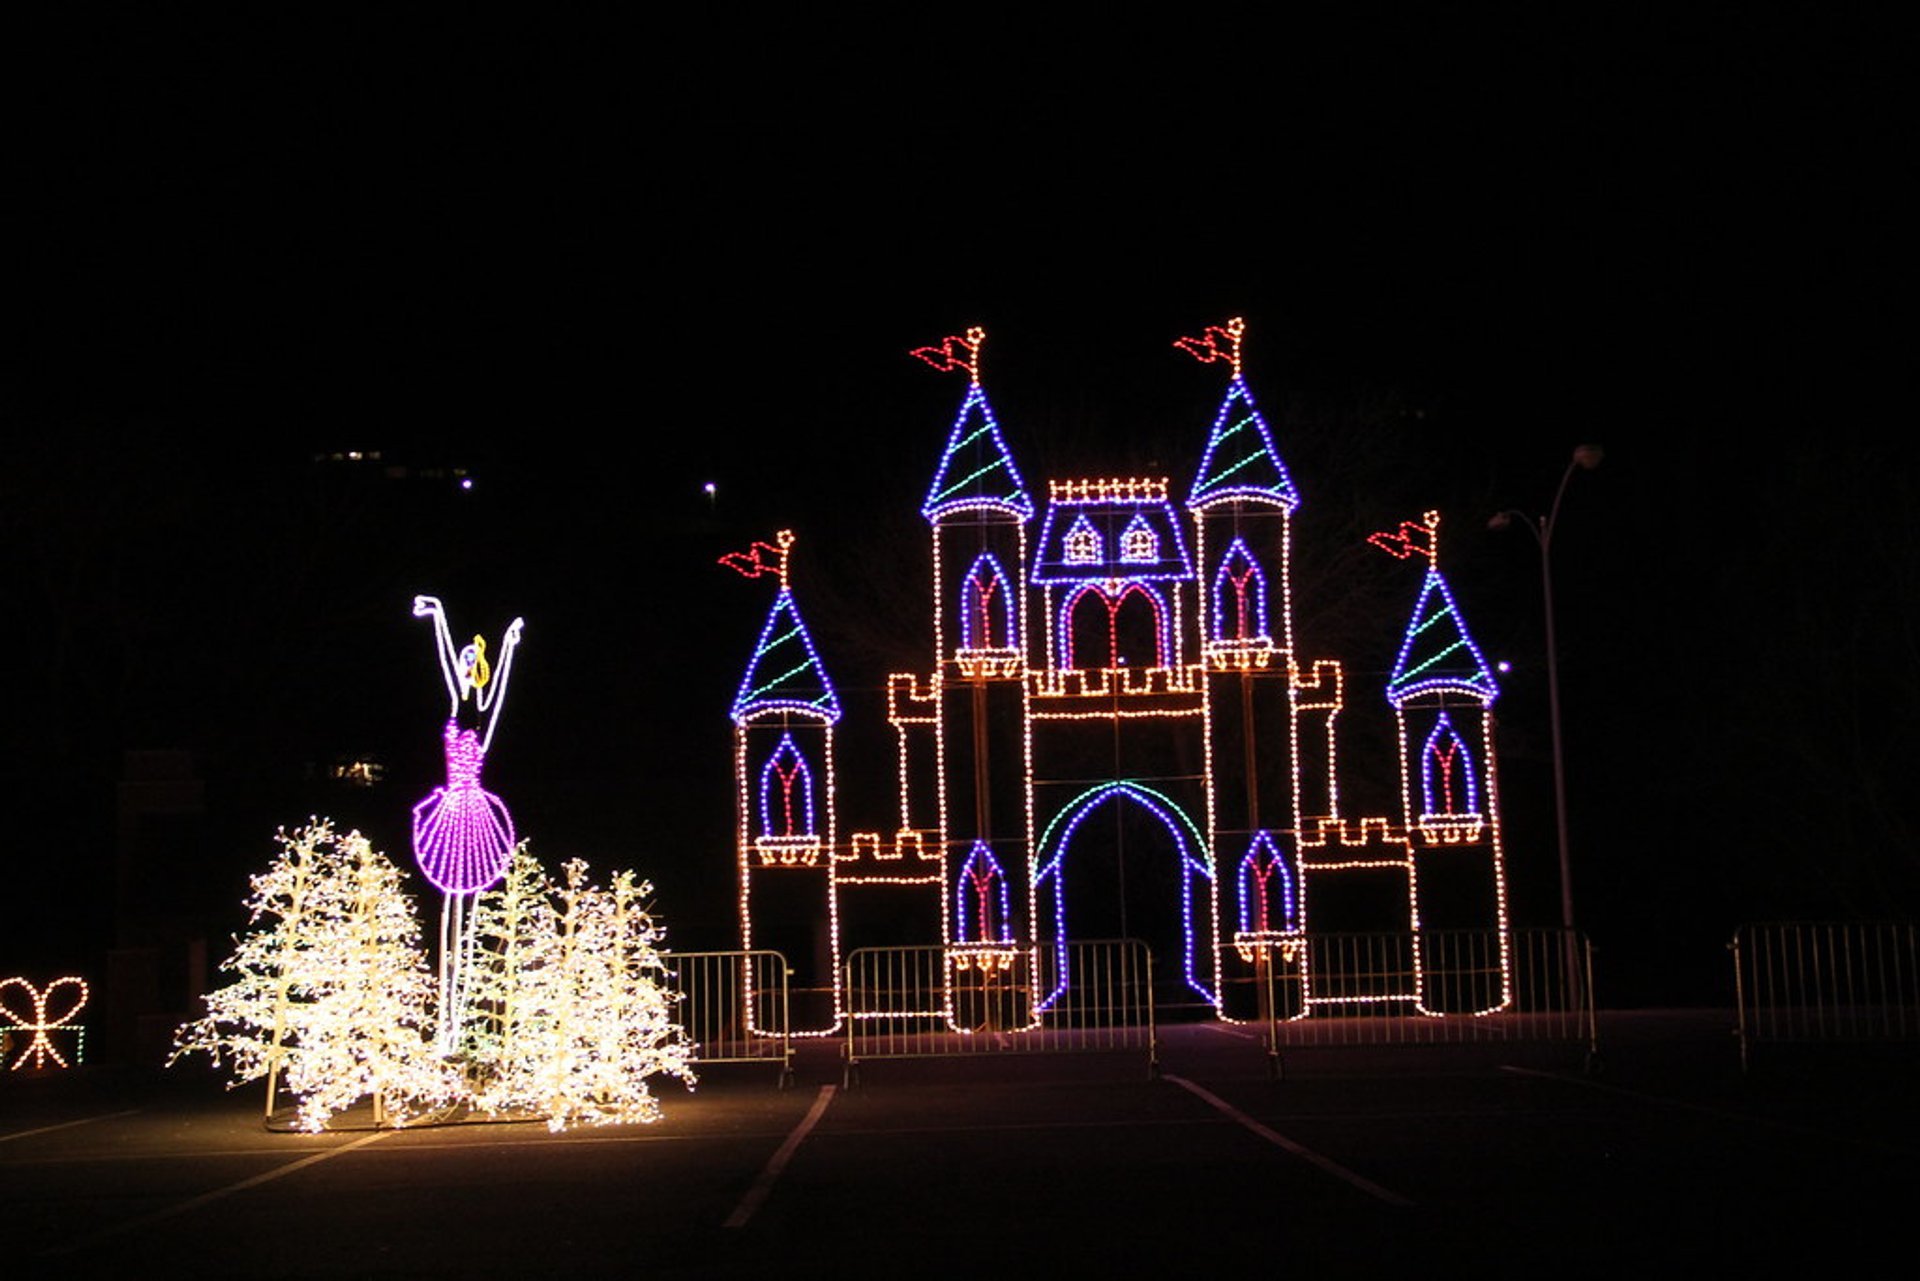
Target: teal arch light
1196,863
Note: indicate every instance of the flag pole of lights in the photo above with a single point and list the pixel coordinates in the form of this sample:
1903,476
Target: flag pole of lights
40,1049
1145,628
463,836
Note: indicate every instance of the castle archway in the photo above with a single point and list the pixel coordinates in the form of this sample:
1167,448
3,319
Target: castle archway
1172,834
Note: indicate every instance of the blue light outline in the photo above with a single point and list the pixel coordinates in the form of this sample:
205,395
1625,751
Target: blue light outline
968,596
1207,488
963,894
803,779
1139,523
749,701
1289,900
945,496
1159,805
1429,762
1223,583
1166,527
1405,683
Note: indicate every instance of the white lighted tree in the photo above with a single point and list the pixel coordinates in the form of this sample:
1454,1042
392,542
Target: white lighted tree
574,1016
331,996
508,1007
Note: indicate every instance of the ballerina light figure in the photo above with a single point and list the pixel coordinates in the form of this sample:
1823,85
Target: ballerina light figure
462,834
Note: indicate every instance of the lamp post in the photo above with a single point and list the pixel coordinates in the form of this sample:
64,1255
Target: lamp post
1585,458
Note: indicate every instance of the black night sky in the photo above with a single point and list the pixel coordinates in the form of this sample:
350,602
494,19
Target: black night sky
594,271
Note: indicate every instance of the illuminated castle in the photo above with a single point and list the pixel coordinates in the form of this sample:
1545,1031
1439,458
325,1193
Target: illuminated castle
1118,737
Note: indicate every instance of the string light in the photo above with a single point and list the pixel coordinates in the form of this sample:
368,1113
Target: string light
980,905
783,716
330,994
37,1021
1108,550
462,833
1240,459
1190,845
976,472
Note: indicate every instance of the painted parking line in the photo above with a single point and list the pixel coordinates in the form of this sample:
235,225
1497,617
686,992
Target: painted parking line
1280,1140
65,1125
207,1198
763,1186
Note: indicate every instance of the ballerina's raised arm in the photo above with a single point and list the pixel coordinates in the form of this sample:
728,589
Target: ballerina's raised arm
465,670
452,670
494,692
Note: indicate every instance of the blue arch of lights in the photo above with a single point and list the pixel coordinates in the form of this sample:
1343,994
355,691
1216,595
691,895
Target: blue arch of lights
1196,862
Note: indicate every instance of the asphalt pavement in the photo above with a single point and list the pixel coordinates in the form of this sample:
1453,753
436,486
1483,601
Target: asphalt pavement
1497,1159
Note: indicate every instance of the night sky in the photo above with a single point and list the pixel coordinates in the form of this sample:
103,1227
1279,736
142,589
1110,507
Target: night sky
594,271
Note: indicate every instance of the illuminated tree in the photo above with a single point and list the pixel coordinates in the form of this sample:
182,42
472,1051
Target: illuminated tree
574,1017
331,993
513,929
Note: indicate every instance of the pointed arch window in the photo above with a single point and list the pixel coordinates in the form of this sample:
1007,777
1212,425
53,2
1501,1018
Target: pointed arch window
980,903
986,607
1239,596
1268,903
1083,543
786,792
1138,543
1447,784
1124,627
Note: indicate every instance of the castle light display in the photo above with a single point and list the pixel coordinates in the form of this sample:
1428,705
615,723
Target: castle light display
1117,695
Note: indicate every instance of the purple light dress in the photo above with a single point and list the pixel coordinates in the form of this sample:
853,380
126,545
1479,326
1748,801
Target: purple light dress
462,833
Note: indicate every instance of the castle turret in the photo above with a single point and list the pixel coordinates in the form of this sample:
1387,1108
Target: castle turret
1442,694
978,508
783,717
1242,503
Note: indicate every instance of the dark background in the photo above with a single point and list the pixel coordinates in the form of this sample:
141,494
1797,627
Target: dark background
591,271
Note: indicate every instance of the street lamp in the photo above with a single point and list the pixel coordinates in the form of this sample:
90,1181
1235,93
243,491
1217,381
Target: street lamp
1585,458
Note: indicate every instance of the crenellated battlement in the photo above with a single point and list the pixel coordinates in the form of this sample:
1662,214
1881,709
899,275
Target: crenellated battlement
1321,687
1117,682
911,701
1330,841
910,845
977,664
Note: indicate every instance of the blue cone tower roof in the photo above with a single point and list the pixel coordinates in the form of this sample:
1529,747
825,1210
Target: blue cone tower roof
785,672
977,470
1437,654
1241,461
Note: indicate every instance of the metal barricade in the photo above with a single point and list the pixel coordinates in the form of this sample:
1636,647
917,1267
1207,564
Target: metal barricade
734,1007
1826,981
1431,987
921,1002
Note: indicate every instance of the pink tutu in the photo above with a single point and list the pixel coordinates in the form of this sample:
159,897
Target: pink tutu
462,833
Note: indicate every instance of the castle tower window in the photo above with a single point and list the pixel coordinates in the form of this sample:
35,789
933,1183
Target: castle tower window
986,607
980,906
1446,774
786,793
1083,543
1138,543
1126,627
1267,901
1239,596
